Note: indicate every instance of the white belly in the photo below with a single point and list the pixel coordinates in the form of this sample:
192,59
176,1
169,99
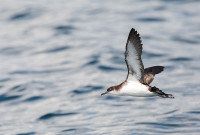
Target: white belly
136,89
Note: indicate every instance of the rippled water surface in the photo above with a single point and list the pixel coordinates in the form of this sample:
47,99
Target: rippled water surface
57,57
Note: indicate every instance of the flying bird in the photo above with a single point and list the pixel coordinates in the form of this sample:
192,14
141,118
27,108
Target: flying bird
138,79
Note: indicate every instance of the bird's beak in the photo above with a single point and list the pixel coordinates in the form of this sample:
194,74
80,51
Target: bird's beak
104,93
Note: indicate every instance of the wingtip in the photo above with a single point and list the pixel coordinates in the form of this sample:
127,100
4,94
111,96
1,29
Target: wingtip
133,33
132,30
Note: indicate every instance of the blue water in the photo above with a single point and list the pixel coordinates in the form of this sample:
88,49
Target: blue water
57,57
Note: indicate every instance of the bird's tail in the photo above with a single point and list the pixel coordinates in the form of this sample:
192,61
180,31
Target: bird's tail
161,93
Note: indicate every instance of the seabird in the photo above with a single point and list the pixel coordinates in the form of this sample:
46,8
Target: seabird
138,79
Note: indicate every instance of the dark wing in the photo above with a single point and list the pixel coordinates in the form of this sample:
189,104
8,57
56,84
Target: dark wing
150,72
154,70
133,57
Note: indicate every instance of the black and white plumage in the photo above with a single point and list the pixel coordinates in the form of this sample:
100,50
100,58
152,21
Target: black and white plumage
138,79
133,57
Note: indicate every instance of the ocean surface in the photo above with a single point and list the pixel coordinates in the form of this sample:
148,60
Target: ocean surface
57,57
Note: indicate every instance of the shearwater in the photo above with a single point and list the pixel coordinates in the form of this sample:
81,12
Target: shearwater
138,79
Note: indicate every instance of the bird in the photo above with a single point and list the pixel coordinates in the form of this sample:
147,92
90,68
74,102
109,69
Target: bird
138,79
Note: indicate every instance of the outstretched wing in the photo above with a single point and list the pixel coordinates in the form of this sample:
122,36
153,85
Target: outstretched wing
154,70
150,72
133,57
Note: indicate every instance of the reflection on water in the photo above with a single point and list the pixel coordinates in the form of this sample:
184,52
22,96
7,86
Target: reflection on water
58,57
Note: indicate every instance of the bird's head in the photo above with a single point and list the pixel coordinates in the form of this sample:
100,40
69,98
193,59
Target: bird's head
110,90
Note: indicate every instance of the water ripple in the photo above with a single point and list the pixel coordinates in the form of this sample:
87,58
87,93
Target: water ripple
87,89
5,79
13,50
34,98
194,112
69,130
56,49
28,133
20,16
92,62
162,125
170,112
108,68
18,88
180,59
151,55
53,115
151,19
184,40
5,97
46,71
28,13
64,29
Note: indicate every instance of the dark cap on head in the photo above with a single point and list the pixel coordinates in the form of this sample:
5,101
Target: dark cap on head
108,90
